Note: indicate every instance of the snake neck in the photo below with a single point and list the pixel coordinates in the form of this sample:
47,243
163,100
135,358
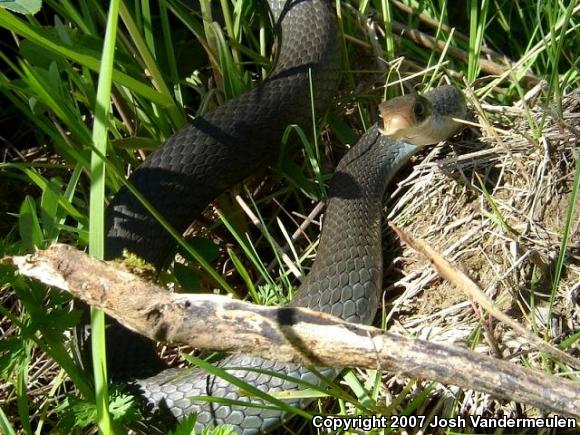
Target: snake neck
348,264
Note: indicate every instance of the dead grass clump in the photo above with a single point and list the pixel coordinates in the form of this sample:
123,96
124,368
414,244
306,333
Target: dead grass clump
496,206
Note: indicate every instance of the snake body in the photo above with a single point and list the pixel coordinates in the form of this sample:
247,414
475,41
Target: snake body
235,140
232,141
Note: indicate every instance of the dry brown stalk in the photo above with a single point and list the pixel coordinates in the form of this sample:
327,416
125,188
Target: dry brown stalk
286,334
487,66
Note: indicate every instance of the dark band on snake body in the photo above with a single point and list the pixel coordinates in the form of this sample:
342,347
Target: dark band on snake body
232,142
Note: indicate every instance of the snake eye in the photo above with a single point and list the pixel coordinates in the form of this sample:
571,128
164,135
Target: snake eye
420,111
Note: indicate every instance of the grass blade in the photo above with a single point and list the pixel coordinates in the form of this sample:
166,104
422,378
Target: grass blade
97,212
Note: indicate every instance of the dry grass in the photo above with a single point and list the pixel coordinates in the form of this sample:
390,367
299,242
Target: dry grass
508,244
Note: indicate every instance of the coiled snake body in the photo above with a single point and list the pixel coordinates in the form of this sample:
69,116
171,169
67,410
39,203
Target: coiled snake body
235,140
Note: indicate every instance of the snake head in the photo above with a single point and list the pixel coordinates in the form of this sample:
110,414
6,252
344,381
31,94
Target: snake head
404,115
423,120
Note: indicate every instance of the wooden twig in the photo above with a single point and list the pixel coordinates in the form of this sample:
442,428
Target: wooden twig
286,334
486,65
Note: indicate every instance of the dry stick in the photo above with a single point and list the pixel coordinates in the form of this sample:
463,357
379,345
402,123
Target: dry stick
301,230
532,95
504,110
427,41
286,334
471,289
435,24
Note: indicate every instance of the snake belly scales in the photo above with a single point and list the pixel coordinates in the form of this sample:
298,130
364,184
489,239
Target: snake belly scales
235,140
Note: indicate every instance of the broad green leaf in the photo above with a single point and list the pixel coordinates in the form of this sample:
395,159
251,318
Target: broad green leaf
226,429
244,274
234,83
5,424
29,225
49,209
297,178
42,183
344,132
25,7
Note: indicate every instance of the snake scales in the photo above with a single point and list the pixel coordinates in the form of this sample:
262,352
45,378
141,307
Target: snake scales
234,141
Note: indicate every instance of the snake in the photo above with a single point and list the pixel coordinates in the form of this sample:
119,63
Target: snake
228,144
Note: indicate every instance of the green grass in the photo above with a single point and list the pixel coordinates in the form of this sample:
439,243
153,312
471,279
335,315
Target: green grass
93,96
97,211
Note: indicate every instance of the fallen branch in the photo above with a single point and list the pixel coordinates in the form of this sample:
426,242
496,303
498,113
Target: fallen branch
286,334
